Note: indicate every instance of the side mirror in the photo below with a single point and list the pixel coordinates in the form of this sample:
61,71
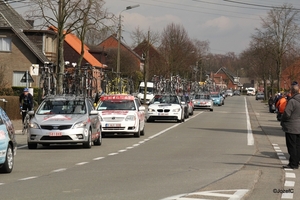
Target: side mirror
31,112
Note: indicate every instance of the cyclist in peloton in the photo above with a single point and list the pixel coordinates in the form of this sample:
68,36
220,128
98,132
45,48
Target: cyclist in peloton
26,103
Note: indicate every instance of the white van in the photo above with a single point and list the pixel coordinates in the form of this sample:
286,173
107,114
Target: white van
251,91
149,94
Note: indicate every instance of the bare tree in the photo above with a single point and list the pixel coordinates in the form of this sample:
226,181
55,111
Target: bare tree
177,49
138,36
67,16
280,28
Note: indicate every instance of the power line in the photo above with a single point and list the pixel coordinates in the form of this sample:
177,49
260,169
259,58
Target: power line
189,10
257,5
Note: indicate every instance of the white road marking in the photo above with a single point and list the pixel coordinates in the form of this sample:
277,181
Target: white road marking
123,150
21,147
98,158
289,183
59,170
250,138
82,163
235,195
112,154
287,196
282,157
28,178
2,183
290,175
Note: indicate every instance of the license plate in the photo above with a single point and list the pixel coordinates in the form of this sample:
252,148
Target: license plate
113,125
53,134
163,114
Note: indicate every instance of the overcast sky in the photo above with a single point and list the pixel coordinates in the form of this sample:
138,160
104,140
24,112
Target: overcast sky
227,25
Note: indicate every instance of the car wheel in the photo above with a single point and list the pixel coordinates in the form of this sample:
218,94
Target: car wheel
98,142
88,143
211,109
32,145
138,133
8,166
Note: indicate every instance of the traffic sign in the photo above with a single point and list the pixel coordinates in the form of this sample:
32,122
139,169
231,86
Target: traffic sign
27,78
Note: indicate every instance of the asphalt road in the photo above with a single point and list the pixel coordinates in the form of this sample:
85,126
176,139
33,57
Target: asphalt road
227,153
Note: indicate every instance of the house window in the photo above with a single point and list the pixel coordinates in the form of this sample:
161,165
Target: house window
17,76
5,44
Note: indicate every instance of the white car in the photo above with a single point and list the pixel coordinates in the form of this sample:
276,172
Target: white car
165,107
121,114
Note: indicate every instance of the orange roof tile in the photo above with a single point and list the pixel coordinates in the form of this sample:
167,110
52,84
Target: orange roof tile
75,43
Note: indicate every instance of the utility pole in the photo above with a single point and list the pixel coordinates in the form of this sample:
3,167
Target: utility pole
146,67
119,45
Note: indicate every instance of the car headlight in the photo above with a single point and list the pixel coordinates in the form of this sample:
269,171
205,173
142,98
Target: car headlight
151,110
80,125
33,125
130,118
176,110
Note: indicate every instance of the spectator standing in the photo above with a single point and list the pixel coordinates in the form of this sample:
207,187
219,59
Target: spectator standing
280,105
290,123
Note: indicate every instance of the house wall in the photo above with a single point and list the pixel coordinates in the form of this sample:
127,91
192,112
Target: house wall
45,41
19,59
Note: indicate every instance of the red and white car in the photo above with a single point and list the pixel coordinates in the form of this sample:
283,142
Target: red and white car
121,114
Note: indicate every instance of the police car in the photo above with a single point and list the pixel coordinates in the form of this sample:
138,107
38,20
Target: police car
8,145
121,114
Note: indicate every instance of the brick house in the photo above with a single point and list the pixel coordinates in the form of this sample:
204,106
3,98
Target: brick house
224,79
17,51
22,48
157,64
131,63
290,74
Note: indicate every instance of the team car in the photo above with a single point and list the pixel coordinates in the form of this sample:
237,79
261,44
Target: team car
121,114
165,107
217,98
203,101
8,144
64,119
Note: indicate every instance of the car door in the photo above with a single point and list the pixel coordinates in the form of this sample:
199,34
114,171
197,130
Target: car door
140,113
95,124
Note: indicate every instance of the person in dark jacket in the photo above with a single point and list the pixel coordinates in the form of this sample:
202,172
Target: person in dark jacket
290,123
26,102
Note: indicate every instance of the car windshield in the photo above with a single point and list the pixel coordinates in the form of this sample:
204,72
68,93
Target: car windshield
202,96
117,105
62,107
165,99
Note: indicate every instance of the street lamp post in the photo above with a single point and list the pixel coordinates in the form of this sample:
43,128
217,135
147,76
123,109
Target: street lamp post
119,44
